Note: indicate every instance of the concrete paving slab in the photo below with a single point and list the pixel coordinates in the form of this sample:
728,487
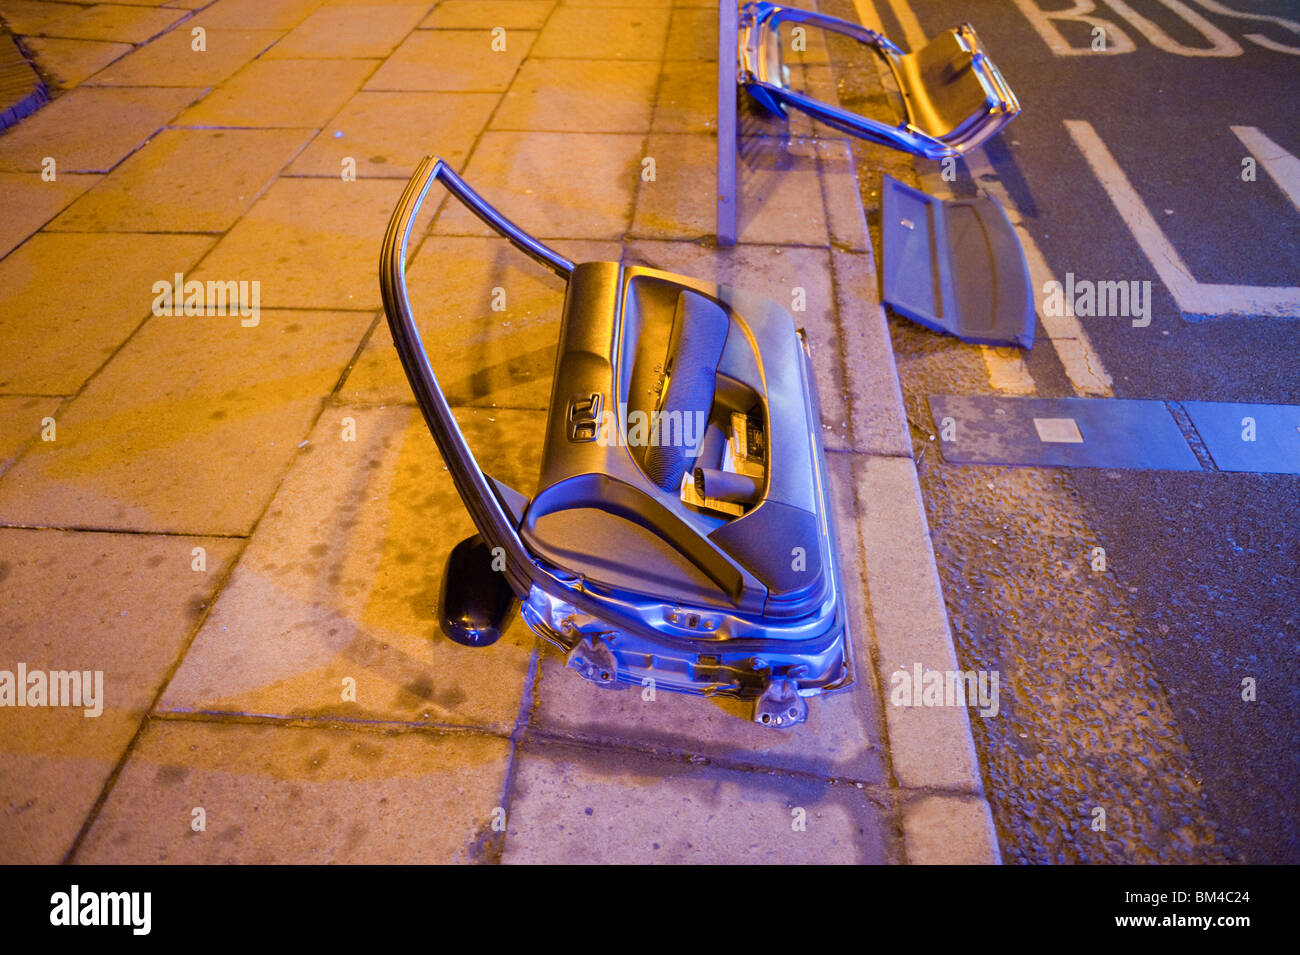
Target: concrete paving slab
672,206
798,279
312,243
22,90
814,80
638,33
591,96
950,830
171,60
102,21
53,351
197,450
578,805
781,200
185,180
875,403
53,766
341,577
841,740
482,356
509,14
844,214
821,327
31,202
688,98
21,421
126,605
453,60
26,17
693,35
255,14
147,3
532,179
281,93
70,62
835,742
370,30
930,746
90,130
341,582
299,795
386,134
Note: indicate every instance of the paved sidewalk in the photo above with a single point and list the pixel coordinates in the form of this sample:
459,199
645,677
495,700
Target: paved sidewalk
22,91
241,520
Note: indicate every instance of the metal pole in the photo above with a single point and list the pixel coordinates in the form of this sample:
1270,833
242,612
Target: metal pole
727,70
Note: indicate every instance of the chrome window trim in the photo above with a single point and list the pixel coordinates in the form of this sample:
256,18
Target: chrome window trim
759,22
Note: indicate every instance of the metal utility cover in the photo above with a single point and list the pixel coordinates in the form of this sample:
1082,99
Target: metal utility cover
956,266
1041,432
1227,434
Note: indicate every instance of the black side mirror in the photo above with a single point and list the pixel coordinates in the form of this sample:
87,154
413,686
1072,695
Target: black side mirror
476,603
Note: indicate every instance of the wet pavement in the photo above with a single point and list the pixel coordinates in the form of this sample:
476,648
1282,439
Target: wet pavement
238,517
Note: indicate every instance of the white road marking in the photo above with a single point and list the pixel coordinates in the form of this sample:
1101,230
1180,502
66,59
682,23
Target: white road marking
869,17
1269,44
1007,370
1082,364
1118,41
912,31
1277,162
1192,297
1220,43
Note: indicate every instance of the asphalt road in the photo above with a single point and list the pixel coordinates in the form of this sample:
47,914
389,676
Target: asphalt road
1203,583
